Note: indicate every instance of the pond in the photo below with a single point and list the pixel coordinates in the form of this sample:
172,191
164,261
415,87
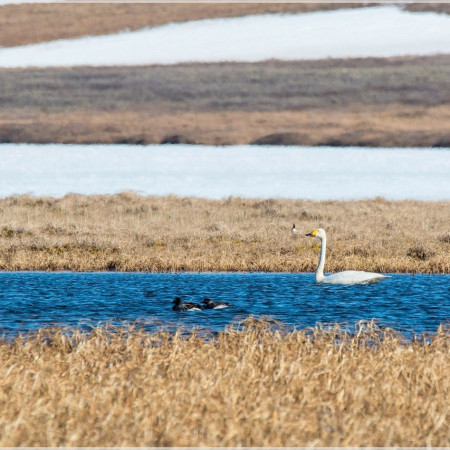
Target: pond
31,300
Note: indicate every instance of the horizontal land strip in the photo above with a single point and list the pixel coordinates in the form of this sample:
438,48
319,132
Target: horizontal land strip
373,101
127,232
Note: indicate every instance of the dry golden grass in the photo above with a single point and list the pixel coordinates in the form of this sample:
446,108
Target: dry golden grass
247,386
127,232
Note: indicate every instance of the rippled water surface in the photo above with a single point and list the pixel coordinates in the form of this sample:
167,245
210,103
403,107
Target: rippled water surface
30,300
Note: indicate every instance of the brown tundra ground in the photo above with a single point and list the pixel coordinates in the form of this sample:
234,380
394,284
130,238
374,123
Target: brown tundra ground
127,232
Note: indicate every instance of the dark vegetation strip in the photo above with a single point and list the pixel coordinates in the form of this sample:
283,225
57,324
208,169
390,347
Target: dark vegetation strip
262,87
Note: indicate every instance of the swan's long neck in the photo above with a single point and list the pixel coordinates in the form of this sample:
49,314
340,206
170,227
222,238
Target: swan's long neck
323,249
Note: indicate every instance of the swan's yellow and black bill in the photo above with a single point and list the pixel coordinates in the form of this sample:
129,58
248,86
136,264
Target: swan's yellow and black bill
313,233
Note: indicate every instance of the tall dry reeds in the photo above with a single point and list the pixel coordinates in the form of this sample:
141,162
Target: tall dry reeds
252,385
127,232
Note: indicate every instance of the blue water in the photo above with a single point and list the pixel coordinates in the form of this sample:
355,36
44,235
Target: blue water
30,300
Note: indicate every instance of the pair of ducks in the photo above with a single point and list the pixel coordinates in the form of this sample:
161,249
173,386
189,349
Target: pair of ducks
178,305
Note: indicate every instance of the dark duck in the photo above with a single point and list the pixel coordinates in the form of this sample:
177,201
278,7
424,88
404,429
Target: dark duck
209,304
178,305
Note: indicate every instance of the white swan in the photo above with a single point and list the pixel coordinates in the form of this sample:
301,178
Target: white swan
347,277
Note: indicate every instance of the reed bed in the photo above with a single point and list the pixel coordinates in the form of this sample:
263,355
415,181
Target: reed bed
128,232
254,384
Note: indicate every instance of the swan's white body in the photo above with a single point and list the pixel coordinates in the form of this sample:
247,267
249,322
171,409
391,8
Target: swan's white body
347,277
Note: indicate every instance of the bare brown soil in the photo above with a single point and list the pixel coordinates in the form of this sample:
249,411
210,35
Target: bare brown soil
374,102
31,23
253,386
127,232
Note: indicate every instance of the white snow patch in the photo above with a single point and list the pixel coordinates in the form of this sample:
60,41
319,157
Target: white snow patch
317,173
363,32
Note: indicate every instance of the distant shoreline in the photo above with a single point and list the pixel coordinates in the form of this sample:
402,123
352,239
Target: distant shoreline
127,232
373,102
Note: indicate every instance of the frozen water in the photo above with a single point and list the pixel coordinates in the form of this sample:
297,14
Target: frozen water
376,31
218,172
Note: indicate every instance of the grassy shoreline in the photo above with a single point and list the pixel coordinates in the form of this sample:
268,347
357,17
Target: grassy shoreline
128,232
248,386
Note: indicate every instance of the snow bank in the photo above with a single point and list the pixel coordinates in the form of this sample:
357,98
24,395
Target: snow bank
317,173
378,31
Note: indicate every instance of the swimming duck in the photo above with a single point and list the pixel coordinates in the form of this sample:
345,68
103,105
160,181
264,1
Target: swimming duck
209,304
180,306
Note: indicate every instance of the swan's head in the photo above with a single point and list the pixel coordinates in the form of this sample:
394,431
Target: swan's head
318,233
